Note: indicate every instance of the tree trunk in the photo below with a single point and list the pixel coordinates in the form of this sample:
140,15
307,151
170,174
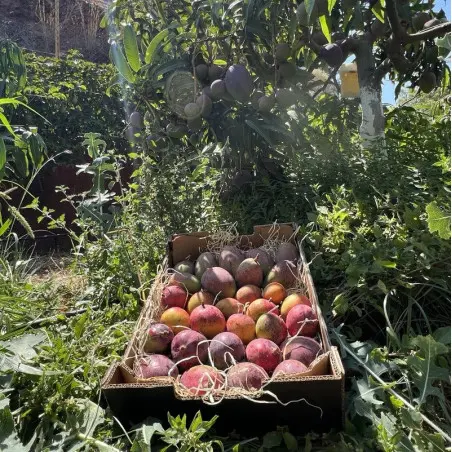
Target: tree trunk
372,129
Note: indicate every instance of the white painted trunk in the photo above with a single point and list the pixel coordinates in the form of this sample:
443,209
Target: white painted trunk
372,128
372,125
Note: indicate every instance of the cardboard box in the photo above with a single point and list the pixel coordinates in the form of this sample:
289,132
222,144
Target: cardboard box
314,401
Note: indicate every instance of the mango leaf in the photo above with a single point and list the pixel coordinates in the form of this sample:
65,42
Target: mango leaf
259,130
378,10
2,155
331,4
119,60
438,220
445,83
156,40
115,80
443,335
131,48
272,439
325,25
309,4
5,122
290,441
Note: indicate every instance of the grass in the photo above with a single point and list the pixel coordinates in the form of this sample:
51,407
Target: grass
68,344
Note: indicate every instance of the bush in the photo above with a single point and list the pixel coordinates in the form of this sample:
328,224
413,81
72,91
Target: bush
71,94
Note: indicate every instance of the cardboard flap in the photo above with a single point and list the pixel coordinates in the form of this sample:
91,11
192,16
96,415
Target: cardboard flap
283,231
187,246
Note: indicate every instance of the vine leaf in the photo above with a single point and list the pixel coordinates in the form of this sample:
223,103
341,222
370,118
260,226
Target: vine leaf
438,220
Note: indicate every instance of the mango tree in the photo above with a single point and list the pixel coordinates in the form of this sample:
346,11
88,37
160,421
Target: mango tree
396,37
246,73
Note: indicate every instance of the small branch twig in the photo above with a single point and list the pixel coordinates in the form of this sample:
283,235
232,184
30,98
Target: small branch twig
382,70
429,33
327,81
393,18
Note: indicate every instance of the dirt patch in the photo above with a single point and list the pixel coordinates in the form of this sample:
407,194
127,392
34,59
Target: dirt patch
57,275
30,23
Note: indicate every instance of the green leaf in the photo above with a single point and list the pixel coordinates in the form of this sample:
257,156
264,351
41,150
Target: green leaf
150,51
325,25
15,364
340,304
272,439
423,371
23,346
438,220
382,286
309,4
331,4
290,441
395,402
443,335
386,264
131,48
6,123
2,154
80,325
367,393
259,130
9,440
378,10
87,418
121,64
4,226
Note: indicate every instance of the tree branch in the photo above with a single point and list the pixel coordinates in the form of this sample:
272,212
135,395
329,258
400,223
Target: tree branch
429,33
393,18
382,69
329,80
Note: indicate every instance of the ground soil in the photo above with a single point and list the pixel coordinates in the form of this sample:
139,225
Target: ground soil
31,26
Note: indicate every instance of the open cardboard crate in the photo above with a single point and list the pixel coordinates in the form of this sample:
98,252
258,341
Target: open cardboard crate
314,401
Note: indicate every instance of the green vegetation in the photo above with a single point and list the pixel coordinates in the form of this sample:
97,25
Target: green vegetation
376,231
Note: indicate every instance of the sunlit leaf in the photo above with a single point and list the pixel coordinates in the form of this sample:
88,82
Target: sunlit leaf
156,40
325,25
131,48
378,10
331,4
121,64
438,220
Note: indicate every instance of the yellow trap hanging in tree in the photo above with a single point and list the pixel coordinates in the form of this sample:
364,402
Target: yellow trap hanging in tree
349,80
